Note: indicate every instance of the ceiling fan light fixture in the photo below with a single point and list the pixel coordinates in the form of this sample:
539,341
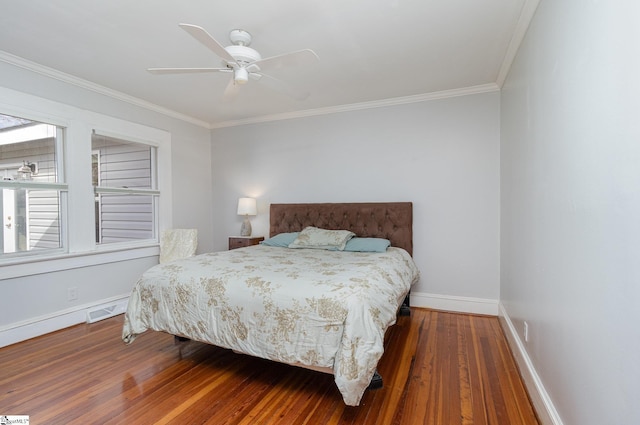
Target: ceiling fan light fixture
241,76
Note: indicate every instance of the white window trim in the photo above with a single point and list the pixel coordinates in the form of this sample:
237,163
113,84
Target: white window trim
58,261
25,184
136,133
126,190
81,250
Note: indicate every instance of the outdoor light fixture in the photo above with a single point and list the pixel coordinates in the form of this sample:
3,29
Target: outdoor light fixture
25,172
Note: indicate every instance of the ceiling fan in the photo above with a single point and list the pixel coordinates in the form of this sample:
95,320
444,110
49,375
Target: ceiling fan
244,62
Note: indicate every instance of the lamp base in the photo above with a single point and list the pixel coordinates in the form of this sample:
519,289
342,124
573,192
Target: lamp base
245,230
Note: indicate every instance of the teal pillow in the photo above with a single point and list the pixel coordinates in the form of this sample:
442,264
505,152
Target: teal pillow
282,239
367,245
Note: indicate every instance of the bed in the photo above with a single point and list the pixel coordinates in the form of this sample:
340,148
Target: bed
323,309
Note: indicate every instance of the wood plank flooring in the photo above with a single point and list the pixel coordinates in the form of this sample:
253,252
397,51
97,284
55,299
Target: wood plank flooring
438,368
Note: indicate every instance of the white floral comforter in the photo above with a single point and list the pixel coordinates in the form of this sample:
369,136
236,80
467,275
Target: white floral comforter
314,307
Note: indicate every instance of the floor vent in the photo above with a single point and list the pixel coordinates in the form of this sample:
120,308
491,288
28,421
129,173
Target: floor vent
105,311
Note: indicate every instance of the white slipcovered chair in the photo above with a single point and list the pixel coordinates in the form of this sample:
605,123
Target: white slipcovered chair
177,243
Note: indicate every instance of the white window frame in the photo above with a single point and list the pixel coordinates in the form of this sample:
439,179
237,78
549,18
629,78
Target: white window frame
154,193
78,232
60,186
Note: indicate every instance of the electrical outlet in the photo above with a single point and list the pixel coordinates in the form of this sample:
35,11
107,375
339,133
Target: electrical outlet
72,293
526,332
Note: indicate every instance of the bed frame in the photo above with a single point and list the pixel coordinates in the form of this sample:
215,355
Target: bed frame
388,220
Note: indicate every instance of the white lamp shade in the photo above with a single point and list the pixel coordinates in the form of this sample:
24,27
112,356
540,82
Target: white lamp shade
247,206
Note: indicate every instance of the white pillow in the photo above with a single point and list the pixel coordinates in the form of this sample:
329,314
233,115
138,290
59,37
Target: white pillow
313,237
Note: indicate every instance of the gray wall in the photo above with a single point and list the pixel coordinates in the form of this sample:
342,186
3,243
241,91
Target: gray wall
570,216
442,155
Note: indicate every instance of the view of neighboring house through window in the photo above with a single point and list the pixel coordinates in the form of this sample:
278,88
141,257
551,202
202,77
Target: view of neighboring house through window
126,195
33,189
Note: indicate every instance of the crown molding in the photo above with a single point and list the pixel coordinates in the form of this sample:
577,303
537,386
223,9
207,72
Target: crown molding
526,15
79,82
483,88
88,85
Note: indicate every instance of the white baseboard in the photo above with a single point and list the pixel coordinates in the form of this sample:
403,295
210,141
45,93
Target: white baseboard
21,331
547,413
453,303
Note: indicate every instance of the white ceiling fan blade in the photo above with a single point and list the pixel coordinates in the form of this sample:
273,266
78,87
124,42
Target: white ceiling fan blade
186,70
281,86
297,58
205,38
252,68
231,91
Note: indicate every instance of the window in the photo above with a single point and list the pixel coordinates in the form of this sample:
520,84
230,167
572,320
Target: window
33,190
54,213
125,184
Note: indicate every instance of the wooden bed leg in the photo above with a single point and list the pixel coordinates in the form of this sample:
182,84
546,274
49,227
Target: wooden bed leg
405,310
376,381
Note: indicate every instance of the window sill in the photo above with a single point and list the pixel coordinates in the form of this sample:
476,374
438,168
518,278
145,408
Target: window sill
28,266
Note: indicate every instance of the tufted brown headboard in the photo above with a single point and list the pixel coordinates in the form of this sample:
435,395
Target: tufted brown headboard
389,220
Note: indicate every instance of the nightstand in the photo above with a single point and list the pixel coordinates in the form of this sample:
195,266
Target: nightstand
242,241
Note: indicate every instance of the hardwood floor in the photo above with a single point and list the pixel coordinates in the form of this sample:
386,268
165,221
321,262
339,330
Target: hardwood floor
438,368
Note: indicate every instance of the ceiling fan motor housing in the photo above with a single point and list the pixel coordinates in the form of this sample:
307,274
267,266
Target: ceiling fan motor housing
240,49
243,55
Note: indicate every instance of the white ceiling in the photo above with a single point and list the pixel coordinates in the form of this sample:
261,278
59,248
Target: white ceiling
371,52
